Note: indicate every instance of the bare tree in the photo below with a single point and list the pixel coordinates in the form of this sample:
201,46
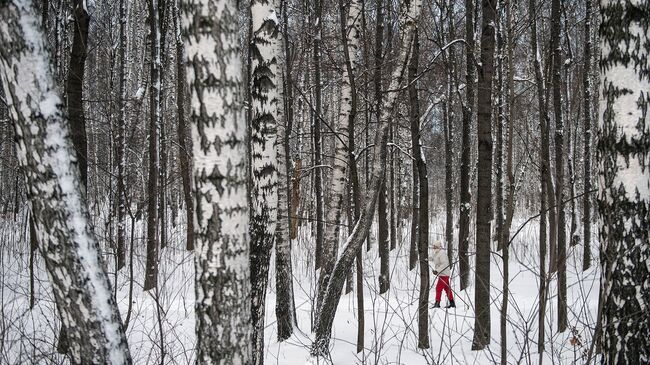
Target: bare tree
223,289
556,47
484,187
586,140
184,142
409,16
267,112
57,197
468,112
341,155
153,194
545,188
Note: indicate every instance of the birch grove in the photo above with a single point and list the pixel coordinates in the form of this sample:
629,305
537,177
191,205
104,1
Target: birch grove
291,182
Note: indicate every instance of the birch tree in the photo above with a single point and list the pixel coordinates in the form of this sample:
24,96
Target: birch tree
267,108
222,279
338,182
624,180
56,194
408,18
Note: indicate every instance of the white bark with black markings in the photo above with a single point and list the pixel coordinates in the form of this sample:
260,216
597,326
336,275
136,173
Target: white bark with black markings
43,144
218,126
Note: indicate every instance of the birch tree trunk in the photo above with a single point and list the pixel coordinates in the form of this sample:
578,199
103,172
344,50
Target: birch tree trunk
350,35
624,182
45,151
408,22
484,187
267,112
223,289
341,154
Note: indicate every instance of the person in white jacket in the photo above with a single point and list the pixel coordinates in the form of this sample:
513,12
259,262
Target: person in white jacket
442,268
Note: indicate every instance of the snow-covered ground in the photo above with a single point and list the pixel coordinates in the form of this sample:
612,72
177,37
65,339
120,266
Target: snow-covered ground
28,336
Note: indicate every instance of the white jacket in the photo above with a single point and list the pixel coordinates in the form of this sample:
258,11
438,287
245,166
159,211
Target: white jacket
441,262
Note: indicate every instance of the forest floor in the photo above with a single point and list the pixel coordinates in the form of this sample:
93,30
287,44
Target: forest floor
28,336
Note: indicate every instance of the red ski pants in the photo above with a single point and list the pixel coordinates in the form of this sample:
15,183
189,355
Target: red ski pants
443,284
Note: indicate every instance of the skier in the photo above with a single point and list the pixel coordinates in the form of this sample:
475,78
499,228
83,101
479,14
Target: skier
443,270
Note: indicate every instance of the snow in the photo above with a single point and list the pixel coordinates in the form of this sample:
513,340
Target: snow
391,320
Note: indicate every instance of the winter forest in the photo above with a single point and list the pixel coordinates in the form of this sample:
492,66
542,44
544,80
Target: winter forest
308,182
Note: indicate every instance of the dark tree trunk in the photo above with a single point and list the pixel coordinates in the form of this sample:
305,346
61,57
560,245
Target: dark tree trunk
74,87
468,112
423,201
545,187
153,243
556,47
120,156
377,78
384,244
484,187
382,216
184,142
318,174
586,139
414,118
287,226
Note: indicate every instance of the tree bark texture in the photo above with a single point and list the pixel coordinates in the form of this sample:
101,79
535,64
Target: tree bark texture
556,47
624,181
586,139
120,155
267,112
484,187
56,194
318,173
543,172
223,289
74,86
287,209
153,194
468,112
184,142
